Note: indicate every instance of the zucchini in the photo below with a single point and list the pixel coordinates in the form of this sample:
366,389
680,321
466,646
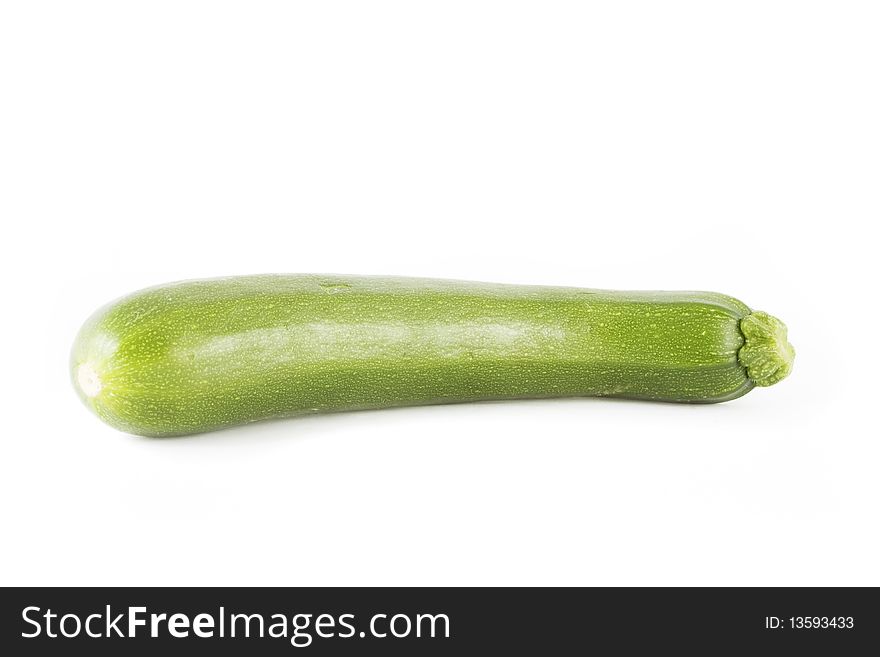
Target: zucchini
201,355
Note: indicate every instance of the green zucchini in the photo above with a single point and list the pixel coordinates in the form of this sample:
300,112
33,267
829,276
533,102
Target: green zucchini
201,355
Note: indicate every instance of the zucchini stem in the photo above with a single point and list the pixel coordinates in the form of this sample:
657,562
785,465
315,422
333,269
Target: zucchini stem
767,354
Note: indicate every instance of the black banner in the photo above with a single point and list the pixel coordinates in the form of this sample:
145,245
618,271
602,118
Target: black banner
410,621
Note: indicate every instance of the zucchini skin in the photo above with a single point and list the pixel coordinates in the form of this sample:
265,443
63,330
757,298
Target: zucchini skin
201,355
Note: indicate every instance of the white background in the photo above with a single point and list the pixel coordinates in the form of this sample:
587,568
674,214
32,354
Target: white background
676,145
